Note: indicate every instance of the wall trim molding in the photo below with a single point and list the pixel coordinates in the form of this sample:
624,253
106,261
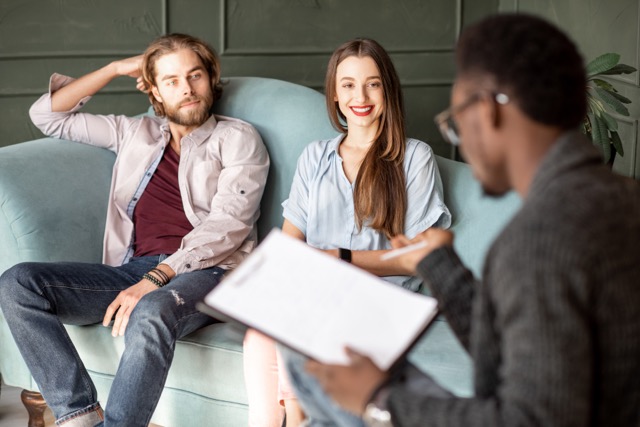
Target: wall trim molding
225,50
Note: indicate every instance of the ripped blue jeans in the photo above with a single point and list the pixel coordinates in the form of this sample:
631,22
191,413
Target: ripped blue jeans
38,298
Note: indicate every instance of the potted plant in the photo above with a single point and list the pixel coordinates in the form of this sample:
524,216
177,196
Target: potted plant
603,97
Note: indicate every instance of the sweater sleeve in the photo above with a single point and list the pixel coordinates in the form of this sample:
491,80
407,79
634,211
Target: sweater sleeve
531,339
453,286
105,131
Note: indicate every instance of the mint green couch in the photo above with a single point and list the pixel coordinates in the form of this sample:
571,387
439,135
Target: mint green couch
53,197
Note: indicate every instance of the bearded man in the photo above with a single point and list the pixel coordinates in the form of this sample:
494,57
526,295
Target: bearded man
183,204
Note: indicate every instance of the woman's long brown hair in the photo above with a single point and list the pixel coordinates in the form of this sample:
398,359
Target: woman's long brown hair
380,195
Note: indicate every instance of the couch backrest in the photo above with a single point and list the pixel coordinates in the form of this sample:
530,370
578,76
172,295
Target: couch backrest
288,117
477,218
53,201
53,193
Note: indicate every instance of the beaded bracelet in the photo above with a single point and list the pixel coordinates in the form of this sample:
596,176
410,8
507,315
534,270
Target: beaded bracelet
163,276
153,280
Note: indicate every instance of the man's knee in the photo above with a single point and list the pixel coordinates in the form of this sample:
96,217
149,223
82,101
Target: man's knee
152,312
13,280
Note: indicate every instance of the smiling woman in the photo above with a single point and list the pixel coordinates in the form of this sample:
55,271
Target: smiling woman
360,75
349,196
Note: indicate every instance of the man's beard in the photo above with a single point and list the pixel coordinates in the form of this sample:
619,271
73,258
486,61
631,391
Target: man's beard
193,116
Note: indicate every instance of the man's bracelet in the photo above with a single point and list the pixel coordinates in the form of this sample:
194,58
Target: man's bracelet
153,280
163,276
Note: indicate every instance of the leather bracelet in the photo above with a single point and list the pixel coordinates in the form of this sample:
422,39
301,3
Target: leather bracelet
345,254
153,280
163,276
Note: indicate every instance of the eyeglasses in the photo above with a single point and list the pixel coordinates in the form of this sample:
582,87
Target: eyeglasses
446,123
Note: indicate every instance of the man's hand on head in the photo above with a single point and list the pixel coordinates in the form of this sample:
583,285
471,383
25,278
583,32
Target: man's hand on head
141,86
131,67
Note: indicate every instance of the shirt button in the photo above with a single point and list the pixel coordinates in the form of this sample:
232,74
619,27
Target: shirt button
188,265
135,199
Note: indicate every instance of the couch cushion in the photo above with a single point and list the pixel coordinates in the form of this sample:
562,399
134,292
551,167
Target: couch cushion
207,362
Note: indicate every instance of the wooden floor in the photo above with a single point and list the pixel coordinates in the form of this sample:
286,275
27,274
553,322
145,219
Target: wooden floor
13,413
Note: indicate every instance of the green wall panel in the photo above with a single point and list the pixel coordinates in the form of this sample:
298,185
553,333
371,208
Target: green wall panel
14,118
426,102
283,39
201,18
80,27
321,25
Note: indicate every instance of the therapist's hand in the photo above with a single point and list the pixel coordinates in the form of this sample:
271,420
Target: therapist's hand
350,386
434,237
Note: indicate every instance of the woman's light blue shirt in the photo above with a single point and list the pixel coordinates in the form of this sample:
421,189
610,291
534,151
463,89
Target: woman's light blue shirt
321,206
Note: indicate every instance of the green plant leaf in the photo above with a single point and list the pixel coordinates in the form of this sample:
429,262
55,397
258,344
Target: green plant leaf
604,85
617,143
610,122
619,69
600,137
620,98
594,105
602,63
603,98
612,101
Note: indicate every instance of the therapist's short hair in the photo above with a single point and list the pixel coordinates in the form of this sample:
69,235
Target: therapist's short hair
530,60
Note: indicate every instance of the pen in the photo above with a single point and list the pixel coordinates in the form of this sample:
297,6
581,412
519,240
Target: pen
401,251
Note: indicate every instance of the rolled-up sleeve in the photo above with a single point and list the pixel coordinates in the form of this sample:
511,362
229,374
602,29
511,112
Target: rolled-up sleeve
425,199
229,225
99,130
296,207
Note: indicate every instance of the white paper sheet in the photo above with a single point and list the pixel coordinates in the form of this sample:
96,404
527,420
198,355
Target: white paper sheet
318,304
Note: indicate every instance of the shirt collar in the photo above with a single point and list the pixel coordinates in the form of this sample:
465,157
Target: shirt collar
199,135
334,144
572,150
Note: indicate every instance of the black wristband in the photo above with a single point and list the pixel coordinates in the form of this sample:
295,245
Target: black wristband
345,254
161,275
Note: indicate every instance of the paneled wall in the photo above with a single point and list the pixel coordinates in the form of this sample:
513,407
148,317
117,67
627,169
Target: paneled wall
284,39
600,26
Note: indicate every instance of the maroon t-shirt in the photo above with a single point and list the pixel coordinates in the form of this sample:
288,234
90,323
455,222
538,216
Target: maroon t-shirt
159,220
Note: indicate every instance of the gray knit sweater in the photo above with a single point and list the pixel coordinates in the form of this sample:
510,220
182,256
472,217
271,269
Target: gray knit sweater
554,328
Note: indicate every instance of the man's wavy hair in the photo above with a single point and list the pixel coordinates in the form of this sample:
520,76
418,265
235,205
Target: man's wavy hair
171,43
530,60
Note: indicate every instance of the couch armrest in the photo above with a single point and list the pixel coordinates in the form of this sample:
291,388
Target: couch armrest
53,199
